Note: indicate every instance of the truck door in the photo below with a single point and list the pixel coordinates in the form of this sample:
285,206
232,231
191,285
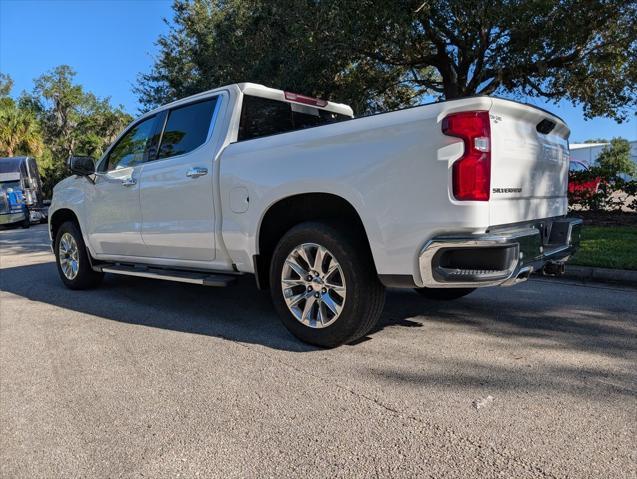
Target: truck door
177,185
114,221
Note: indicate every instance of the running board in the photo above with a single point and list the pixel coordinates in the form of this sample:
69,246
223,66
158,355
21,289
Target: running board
193,277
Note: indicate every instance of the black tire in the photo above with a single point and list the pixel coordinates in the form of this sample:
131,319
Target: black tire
26,222
365,296
444,294
86,277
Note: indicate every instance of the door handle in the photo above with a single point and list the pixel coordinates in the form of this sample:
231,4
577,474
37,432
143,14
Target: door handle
196,172
129,181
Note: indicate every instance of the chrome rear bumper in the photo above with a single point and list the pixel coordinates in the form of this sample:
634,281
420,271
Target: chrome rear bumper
501,257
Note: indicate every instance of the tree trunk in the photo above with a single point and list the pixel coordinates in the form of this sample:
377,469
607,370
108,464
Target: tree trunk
451,89
450,86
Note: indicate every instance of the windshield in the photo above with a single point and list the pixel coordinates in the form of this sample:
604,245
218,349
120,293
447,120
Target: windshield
11,198
14,185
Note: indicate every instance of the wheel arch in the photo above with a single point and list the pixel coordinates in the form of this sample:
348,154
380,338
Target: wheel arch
59,217
287,212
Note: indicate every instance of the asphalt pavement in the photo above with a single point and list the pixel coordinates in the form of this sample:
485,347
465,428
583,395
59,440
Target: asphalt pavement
144,378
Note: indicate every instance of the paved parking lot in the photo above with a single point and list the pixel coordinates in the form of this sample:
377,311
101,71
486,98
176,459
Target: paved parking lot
143,378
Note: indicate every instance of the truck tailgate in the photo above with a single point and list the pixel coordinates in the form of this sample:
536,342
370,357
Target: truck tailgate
529,163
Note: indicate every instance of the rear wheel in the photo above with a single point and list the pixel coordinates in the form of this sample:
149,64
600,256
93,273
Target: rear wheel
324,286
72,259
444,294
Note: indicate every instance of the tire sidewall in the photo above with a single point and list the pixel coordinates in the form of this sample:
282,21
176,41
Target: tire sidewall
26,222
85,277
353,268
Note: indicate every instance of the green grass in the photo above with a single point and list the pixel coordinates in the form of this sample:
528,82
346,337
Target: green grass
608,247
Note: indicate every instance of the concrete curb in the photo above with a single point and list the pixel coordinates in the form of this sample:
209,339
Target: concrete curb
608,275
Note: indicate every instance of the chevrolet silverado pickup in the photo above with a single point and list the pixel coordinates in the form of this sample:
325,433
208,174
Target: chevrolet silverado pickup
324,209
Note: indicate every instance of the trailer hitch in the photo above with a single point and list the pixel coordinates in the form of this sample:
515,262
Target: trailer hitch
554,268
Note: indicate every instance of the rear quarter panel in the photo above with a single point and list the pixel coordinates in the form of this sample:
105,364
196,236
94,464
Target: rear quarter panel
394,169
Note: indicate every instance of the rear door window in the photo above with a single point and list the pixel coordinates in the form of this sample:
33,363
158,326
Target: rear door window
264,117
187,128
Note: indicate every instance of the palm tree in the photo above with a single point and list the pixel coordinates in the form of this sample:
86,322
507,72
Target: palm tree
19,132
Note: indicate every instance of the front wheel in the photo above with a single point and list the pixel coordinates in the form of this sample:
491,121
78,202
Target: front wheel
72,259
26,223
324,285
444,294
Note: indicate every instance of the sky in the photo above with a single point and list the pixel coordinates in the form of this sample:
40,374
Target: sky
109,42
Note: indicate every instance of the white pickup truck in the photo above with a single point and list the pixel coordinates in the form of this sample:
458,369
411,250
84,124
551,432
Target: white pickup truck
323,209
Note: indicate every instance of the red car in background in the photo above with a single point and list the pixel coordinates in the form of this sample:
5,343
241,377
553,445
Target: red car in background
577,185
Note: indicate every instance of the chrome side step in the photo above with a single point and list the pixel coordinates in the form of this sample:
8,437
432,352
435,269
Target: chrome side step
193,277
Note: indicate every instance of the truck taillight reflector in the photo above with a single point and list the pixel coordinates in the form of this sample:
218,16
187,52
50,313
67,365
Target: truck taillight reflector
472,172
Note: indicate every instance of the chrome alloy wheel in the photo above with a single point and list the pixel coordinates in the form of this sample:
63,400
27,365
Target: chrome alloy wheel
69,255
313,285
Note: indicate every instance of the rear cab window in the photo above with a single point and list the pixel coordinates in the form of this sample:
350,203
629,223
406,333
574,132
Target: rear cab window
264,116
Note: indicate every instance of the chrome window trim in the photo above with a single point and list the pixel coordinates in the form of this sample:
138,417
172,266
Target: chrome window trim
213,121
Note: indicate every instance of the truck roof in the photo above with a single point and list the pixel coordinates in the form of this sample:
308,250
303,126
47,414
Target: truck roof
263,91
12,168
256,89
12,164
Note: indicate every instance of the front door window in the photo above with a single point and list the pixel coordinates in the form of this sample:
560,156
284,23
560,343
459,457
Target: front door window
131,148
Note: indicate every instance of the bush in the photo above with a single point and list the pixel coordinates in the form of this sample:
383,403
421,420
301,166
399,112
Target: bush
602,190
615,158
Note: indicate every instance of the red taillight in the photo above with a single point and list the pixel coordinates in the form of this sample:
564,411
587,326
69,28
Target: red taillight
307,100
472,172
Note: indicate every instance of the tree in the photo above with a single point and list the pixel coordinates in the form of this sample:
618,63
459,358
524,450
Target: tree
6,85
376,54
73,122
19,132
581,50
295,45
615,158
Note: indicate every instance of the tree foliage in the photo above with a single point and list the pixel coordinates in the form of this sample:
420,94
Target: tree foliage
615,158
616,176
296,45
376,54
19,132
6,85
57,119
73,121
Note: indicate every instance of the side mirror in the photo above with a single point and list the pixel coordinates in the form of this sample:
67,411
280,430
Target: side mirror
82,165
